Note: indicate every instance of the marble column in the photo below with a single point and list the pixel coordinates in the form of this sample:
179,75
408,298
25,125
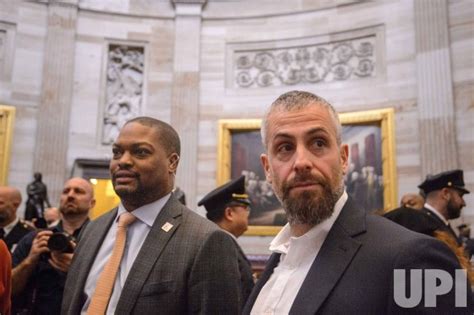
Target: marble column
438,149
56,96
185,92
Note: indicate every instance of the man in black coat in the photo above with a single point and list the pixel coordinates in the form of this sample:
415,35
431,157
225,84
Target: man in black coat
444,198
333,257
12,229
228,207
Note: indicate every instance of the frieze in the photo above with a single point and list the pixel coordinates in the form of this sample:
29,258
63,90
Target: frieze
124,88
344,60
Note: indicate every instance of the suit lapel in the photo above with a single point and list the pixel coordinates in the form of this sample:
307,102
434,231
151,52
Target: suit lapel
151,250
334,257
241,253
91,245
271,264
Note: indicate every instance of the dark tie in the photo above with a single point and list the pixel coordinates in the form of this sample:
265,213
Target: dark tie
2,233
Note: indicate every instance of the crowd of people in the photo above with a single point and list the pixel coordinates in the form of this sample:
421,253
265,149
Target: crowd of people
152,254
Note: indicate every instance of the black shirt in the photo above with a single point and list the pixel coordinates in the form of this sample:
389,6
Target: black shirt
44,290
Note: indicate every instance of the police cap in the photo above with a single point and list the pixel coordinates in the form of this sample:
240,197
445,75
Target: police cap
450,179
230,193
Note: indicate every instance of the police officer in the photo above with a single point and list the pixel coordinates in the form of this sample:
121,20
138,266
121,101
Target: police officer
12,229
228,207
444,198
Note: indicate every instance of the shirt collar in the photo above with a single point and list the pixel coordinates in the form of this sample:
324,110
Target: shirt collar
281,242
9,227
59,228
147,213
233,236
439,215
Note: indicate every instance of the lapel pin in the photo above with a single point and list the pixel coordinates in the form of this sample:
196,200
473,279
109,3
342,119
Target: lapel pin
167,227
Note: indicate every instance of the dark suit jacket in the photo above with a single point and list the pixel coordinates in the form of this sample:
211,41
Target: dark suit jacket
192,268
441,225
246,278
353,272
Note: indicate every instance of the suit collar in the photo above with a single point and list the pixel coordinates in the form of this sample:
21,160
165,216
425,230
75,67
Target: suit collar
270,266
335,255
164,227
147,213
91,242
352,219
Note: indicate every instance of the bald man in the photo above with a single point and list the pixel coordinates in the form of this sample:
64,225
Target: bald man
414,201
39,274
12,229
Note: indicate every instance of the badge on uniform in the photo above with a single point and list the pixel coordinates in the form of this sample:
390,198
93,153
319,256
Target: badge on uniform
167,227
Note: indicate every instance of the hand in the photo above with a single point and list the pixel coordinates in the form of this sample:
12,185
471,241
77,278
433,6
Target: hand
39,246
61,261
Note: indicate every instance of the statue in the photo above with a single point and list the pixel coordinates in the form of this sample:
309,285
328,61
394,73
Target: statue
37,197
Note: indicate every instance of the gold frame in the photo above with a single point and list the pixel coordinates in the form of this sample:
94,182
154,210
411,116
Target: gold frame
7,118
383,117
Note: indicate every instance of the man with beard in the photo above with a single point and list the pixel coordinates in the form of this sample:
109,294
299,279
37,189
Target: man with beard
332,257
444,198
39,274
12,229
151,255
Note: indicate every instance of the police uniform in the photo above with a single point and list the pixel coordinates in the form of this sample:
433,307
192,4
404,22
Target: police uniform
413,219
16,234
231,194
449,179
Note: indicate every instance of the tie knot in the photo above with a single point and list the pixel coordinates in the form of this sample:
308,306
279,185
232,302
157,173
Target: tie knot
126,219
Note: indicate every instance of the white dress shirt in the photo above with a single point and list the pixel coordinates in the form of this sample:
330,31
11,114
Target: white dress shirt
297,256
136,235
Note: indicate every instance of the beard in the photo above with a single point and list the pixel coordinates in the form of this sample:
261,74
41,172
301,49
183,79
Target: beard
135,196
4,217
454,211
311,206
72,211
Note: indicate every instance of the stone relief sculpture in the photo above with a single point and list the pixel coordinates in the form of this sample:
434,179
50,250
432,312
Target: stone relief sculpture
124,88
335,61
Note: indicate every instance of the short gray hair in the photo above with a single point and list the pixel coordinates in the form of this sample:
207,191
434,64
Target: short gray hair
296,100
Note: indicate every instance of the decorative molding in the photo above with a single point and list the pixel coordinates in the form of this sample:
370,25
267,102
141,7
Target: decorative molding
344,56
7,47
64,3
201,2
124,88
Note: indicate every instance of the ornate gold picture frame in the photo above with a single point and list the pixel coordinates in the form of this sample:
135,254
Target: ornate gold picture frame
7,118
371,178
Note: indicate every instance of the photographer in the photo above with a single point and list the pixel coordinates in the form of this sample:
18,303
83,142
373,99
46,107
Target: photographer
39,268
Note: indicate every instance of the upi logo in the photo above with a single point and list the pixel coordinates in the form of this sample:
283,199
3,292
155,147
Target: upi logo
437,282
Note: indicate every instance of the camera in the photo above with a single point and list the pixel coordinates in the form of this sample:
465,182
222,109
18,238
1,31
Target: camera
61,242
